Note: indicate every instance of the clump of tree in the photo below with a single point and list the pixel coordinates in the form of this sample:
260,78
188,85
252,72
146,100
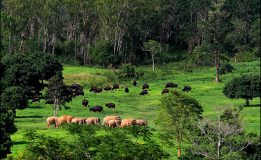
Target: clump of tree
89,143
223,138
127,72
226,68
21,75
178,115
245,86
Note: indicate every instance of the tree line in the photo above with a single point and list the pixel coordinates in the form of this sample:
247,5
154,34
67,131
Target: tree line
113,32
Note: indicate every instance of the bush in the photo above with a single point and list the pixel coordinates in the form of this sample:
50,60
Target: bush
245,86
226,68
112,144
245,56
127,72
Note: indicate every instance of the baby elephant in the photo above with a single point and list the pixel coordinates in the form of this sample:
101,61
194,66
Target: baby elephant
127,122
141,122
114,123
92,120
52,120
78,120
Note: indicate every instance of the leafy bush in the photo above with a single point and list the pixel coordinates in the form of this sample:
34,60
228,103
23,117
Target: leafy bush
127,72
95,142
226,68
245,86
246,56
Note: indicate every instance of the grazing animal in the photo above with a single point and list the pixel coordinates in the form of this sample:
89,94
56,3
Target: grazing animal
135,83
107,88
64,119
92,120
115,86
171,85
96,109
79,92
85,102
186,88
78,120
141,122
110,105
93,89
165,90
108,118
76,87
114,123
98,90
126,90
144,92
52,120
145,86
127,122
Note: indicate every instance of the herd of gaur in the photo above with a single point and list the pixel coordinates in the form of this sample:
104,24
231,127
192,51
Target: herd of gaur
111,121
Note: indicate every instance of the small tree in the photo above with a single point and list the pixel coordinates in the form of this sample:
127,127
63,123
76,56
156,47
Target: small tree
245,86
223,138
55,93
178,114
154,48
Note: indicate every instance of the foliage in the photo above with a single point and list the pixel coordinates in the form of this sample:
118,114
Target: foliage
245,86
226,68
220,139
21,75
58,93
178,114
94,142
127,72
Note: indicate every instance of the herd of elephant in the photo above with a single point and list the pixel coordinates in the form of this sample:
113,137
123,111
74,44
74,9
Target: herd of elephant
110,121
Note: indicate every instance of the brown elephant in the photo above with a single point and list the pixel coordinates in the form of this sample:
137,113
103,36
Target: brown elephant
141,122
114,123
52,120
127,122
78,120
108,118
92,120
64,119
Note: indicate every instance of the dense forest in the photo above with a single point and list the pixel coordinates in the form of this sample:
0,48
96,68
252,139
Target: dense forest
113,32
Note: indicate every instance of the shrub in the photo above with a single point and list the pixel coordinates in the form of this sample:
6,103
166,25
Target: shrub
226,68
245,86
127,72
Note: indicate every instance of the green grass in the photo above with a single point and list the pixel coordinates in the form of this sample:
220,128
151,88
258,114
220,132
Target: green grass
204,89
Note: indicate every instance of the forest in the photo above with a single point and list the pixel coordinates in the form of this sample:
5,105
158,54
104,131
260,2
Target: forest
180,77
109,33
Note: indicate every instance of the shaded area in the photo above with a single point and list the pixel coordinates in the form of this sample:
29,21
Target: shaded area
37,107
253,105
19,142
34,116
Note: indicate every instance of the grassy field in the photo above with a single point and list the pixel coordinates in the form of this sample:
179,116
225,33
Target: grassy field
204,89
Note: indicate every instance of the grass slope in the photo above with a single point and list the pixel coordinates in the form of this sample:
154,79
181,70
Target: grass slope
204,89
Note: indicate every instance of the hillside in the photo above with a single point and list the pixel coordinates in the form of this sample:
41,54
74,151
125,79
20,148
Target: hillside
204,89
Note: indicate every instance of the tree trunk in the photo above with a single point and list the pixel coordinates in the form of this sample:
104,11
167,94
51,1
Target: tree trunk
179,151
217,63
247,102
153,63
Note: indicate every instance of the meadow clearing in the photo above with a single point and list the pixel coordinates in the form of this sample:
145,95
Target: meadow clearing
132,105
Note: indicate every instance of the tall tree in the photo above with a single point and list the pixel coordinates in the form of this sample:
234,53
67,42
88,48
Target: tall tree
178,114
215,30
154,48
